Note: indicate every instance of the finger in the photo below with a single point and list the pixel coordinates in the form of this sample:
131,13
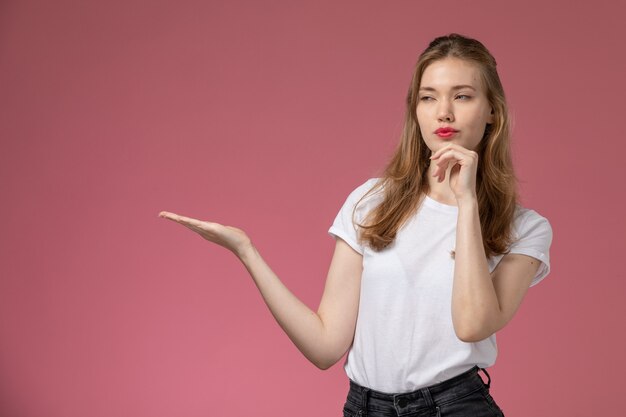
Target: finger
440,171
443,163
450,146
461,157
170,216
203,228
181,219
440,151
449,156
195,229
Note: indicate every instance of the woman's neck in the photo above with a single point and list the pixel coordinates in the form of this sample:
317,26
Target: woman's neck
440,191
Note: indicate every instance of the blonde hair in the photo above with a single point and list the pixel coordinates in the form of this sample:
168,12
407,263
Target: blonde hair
405,183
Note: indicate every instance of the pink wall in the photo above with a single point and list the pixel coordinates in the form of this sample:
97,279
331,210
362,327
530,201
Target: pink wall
266,115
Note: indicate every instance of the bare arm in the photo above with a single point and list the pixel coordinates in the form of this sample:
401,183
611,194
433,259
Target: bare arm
323,336
483,303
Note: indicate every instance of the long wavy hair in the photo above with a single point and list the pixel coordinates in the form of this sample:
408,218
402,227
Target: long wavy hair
405,183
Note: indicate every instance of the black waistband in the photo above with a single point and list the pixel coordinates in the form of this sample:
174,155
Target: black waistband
443,392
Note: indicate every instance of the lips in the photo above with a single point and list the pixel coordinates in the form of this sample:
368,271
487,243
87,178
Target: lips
445,132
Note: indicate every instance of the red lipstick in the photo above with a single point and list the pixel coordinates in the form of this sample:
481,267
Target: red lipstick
445,132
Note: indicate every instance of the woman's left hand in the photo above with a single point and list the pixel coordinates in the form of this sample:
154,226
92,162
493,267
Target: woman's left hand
463,172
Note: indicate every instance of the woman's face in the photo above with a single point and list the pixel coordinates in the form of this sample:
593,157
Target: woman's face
452,95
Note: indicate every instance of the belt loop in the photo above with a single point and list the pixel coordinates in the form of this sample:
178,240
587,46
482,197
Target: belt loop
425,392
364,394
488,384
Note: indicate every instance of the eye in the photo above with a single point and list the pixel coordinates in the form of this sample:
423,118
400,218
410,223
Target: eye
426,98
463,97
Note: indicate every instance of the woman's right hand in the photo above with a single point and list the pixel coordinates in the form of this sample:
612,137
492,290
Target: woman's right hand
233,239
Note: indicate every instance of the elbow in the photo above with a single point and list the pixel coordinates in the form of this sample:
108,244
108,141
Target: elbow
472,334
324,363
472,328
326,359
471,337
325,355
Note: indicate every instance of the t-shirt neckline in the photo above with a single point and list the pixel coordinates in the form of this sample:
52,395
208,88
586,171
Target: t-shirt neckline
439,206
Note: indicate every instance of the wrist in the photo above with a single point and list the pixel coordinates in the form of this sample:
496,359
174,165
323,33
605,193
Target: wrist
246,252
467,201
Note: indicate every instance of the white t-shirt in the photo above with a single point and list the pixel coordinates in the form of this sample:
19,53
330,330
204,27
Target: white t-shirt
404,337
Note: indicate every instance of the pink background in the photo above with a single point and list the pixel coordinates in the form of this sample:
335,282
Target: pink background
266,115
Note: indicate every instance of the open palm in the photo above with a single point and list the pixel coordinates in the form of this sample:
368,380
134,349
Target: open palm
231,238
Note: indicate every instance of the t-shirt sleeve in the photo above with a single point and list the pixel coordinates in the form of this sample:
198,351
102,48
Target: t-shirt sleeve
534,237
344,225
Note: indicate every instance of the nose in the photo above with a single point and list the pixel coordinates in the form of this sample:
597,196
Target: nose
444,112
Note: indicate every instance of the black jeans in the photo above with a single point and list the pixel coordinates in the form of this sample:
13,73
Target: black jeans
465,395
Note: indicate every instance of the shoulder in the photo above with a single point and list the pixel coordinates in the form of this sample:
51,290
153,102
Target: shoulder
360,201
527,220
367,194
363,199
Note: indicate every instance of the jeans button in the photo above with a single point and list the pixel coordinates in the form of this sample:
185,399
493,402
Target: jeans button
402,402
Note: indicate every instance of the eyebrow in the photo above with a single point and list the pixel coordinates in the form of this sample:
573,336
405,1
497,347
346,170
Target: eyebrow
456,87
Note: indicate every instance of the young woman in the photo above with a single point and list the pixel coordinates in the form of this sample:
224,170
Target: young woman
431,260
